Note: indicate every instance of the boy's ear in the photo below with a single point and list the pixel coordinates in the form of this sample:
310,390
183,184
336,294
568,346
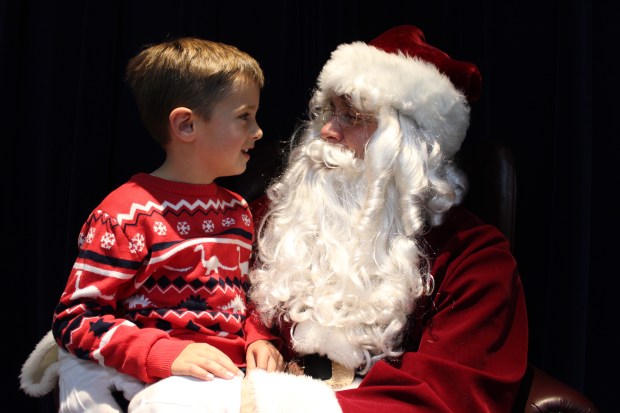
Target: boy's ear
181,123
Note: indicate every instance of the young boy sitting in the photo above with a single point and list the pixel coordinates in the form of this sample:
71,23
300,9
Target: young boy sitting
157,292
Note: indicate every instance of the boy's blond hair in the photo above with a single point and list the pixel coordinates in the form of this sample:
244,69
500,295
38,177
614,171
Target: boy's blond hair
188,72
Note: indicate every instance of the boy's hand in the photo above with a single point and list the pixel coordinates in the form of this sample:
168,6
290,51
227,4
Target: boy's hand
205,362
262,354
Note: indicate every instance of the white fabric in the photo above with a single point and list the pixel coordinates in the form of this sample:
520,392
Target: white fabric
39,373
85,387
312,337
184,394
286,393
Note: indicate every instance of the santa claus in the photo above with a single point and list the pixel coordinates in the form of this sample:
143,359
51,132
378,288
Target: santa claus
367,265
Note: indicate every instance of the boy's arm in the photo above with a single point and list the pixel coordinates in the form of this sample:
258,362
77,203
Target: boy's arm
87,322
254,329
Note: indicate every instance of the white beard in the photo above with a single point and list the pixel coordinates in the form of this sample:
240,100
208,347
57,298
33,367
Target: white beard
345,275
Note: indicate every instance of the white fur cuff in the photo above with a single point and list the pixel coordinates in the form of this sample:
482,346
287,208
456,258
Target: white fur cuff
285,393
39,373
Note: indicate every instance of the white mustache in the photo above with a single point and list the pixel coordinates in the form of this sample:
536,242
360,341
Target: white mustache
331,155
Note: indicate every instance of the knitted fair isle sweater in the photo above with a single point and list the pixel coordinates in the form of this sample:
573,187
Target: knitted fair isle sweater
161,264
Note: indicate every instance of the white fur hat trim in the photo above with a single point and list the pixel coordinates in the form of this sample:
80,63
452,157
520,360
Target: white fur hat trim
414,87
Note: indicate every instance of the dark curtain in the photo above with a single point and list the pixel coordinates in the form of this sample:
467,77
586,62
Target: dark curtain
71,134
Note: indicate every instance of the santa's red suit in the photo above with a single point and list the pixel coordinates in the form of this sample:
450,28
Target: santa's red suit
466,348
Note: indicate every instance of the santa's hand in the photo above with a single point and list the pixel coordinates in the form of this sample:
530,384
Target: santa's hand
262,354
204,362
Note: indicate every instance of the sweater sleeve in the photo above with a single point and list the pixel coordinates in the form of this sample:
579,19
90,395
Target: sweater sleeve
472,350
86,321
255,330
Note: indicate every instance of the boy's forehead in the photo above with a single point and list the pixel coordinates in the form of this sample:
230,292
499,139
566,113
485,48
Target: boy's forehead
243,94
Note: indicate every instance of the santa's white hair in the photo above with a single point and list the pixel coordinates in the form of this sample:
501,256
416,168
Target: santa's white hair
341,251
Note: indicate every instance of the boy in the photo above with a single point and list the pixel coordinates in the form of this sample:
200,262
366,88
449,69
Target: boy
158,288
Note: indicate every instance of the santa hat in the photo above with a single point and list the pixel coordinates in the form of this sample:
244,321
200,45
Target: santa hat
399,70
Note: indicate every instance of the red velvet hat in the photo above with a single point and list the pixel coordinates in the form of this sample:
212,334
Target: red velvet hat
410,40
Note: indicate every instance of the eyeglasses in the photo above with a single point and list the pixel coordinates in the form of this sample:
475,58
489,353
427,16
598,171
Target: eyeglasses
346,118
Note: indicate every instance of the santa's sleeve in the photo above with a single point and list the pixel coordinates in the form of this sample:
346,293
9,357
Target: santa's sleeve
472,353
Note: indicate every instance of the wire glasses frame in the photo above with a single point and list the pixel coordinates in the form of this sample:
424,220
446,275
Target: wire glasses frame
346,118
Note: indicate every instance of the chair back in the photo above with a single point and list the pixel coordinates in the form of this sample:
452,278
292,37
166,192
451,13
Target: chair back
492,196
492,191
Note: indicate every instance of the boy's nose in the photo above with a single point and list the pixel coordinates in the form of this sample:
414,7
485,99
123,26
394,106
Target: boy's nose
258,135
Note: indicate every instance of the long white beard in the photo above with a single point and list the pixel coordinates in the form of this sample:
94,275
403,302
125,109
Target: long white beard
347,278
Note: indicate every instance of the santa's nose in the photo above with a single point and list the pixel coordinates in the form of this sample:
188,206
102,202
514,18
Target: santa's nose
331,131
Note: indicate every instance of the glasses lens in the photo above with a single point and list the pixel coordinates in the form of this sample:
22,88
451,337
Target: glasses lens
347,118
327,115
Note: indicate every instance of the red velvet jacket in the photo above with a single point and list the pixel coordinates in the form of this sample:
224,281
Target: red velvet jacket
466,348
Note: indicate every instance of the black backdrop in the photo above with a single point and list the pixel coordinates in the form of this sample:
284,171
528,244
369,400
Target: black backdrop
71,133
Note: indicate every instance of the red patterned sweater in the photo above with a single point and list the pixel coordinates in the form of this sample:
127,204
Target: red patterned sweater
161,264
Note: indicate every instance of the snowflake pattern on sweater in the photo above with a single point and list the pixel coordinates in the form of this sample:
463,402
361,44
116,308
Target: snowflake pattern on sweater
160,264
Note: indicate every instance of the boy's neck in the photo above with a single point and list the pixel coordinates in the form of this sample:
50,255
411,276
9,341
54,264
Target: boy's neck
185,175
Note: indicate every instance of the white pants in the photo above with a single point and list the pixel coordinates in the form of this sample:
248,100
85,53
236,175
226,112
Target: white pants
184,394
86,387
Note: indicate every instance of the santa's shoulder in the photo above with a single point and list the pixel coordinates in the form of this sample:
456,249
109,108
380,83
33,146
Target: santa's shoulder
463,232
